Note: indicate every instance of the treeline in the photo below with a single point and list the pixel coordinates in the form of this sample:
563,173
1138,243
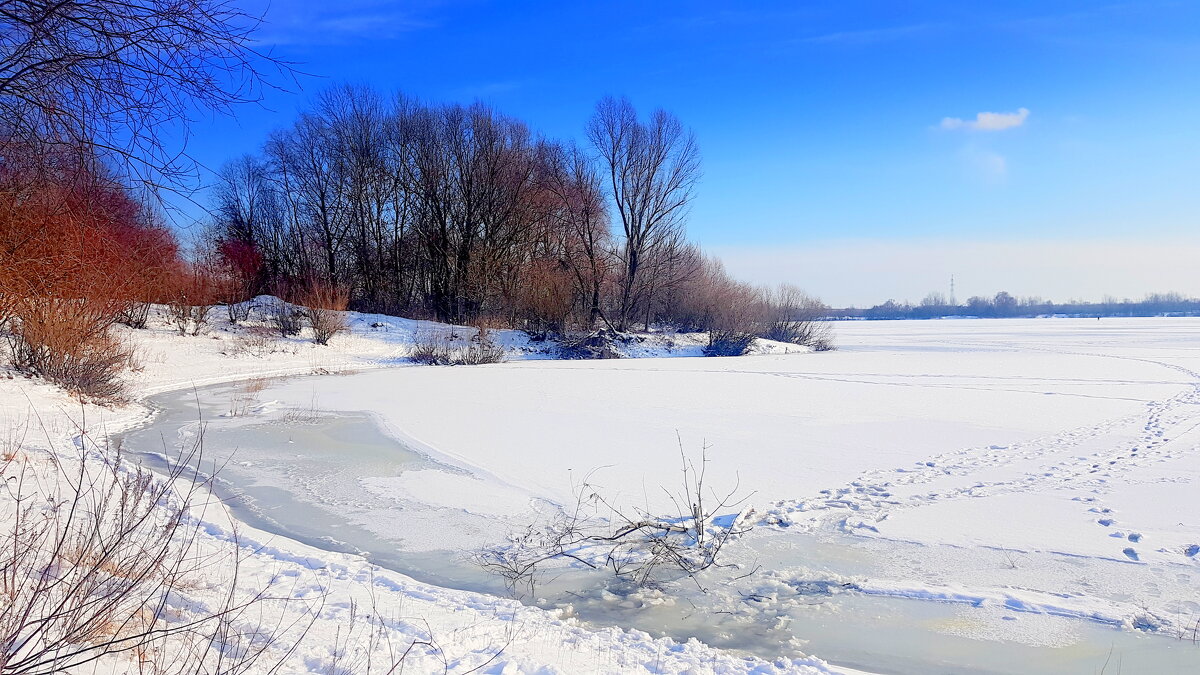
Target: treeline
445,211
1004,305
465,215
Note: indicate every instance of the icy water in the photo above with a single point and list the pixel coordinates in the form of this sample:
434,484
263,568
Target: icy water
308,475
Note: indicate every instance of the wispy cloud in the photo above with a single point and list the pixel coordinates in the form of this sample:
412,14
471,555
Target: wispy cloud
988,121
868,36
340,23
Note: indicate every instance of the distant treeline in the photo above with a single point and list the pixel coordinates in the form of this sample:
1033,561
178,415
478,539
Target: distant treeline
1004,305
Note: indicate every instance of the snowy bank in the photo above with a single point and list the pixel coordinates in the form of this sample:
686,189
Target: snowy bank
328,593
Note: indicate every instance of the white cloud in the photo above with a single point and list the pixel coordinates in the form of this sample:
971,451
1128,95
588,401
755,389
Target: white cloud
988,121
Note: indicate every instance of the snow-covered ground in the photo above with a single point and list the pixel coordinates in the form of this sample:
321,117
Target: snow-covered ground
449,630
939,496
1039,471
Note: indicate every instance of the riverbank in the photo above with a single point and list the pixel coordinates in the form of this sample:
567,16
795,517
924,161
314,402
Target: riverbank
317,594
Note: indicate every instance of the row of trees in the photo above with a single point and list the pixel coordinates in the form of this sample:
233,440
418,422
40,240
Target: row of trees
384,204
463,214
1005,305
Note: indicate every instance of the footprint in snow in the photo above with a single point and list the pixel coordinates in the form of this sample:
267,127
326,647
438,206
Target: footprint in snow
1135,537
1192,550
1106,521
1130,553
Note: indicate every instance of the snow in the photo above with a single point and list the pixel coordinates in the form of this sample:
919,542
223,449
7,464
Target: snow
1034,477
468,631
1066,445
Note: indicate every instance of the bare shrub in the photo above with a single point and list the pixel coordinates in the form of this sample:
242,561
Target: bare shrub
97,564
286,319
729,343
135,315
324,307
257,341
237,312
75,255
480,350
67,341
796,317
824,343
191,300
734,319
430,348
188,316
599,344
634,545
445,348
91,565
729,311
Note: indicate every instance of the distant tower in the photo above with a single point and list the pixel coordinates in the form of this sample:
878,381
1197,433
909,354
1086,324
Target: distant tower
953,303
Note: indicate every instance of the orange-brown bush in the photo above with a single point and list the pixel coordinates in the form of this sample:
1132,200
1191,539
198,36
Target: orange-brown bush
76,255
67,341
324,307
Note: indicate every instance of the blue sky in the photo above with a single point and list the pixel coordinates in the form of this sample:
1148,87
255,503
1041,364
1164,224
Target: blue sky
828,157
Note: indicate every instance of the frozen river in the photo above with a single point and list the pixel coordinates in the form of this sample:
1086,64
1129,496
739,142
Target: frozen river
944,496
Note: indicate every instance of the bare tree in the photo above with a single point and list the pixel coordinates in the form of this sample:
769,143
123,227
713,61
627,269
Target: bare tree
110,77
583,227
653,167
